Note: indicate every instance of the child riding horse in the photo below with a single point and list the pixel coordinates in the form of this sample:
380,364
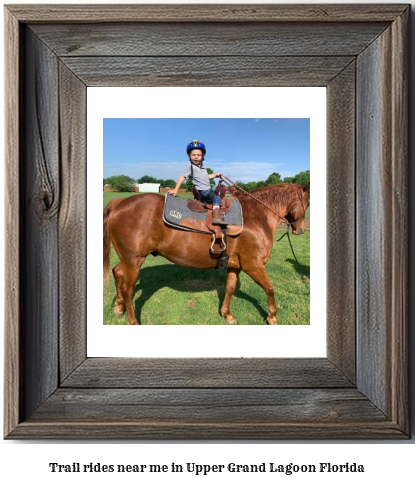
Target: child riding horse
196,151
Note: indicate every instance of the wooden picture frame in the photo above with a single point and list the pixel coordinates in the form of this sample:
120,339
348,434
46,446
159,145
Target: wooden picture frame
360,53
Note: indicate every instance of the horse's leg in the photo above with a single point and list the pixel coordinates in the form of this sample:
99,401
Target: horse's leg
231,281
126,276
259,275
119,308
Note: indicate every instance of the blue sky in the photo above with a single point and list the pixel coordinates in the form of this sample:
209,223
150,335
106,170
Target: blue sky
242,149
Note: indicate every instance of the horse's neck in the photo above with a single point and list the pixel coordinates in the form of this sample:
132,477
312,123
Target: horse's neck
264,216
274,203
273,209
281,209
284,208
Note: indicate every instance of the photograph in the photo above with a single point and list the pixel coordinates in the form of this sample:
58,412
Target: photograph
191,226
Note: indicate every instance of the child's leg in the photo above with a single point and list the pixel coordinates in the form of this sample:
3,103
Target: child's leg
217,202
215,199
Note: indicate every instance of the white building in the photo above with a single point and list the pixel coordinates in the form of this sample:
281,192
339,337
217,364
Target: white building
149,187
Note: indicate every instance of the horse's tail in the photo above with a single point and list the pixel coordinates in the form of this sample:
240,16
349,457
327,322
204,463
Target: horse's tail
107,241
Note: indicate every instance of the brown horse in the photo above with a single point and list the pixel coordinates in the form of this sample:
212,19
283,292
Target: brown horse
136,229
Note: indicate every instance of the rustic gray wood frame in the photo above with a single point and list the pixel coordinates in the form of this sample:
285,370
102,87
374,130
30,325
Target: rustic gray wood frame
359,52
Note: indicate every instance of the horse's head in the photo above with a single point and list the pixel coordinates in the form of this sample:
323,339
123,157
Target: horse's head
296,214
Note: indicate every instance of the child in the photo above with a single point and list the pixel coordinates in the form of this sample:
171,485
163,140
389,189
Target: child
196,151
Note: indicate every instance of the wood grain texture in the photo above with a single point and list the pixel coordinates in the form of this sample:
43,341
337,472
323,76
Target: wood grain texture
72,222
40,177
52,390
150,429
207,71
206,13
382,222
197,39
209,414
210,405
207,373
378,165
13,383
400,231
373,246
340,227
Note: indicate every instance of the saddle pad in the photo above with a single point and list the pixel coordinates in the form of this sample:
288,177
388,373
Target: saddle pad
177,213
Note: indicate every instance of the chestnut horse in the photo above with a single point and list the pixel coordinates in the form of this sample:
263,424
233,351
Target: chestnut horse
136,229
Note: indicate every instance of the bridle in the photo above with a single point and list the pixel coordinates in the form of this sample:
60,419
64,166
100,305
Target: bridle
283,219
301,202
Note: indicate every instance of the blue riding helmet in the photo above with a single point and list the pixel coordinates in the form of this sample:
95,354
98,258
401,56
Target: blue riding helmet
195,144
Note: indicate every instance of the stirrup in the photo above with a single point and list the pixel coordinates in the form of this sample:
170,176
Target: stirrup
223,248
220,224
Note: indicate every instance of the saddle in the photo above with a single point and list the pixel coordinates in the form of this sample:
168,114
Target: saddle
200,206
195,216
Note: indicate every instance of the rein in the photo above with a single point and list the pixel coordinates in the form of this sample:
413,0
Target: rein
256,199
289,224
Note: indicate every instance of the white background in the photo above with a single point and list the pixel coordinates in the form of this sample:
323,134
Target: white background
302,340
24,463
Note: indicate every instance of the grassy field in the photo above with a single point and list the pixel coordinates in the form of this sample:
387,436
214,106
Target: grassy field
169,294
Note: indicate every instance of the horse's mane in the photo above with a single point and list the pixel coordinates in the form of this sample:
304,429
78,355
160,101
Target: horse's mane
275,196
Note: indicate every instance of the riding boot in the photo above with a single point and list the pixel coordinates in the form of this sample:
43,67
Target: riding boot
216,218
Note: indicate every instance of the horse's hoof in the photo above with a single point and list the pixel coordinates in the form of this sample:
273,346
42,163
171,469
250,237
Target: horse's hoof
118,311
232,322
272,321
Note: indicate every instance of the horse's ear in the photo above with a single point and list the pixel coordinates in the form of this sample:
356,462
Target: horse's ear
307,187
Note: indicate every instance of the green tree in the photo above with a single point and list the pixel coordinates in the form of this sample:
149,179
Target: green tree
120,183
251,185
289,179
147,179
260,184
302,178
167,183
188,184
273,179
241,184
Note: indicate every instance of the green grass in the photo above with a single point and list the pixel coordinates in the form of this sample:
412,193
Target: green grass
169,294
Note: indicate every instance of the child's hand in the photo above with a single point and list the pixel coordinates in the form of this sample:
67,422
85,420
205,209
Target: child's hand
172,192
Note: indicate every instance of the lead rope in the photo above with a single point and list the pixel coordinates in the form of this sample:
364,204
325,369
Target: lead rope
287,232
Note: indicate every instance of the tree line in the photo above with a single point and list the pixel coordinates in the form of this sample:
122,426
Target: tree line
125,183
301,178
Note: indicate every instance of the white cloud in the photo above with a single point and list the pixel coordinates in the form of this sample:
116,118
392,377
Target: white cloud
162,170
247,171
235,170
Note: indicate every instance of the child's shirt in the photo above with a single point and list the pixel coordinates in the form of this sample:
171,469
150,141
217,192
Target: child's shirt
200,176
